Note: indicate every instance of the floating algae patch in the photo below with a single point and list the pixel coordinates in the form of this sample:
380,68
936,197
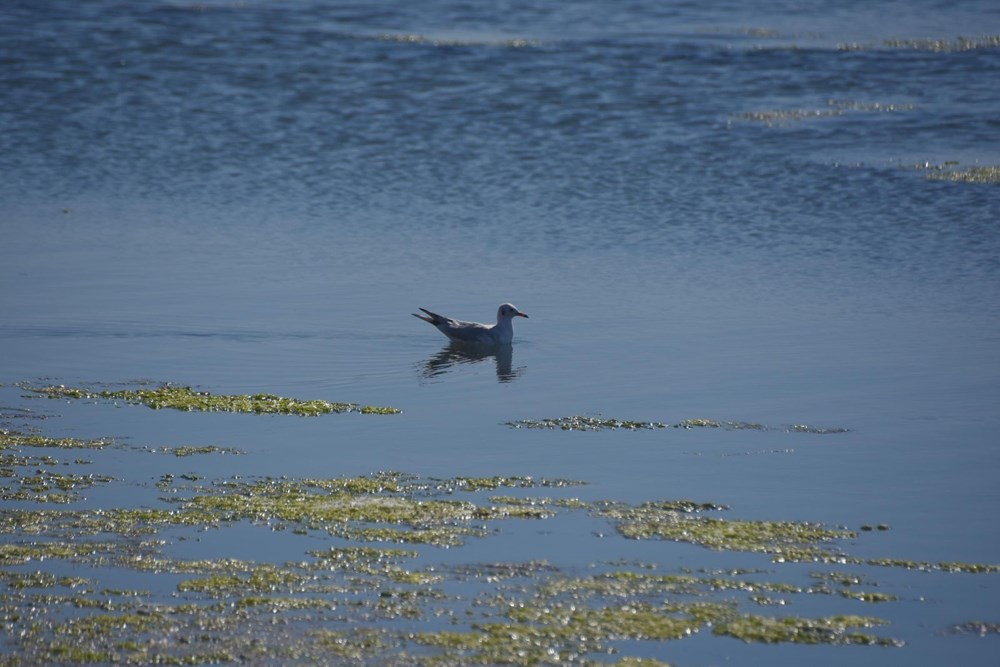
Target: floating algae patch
979,628
945,45
496,482
779,116
830,630
950,171
590,423
866,596
941,566
188,400
262,578
988,175
372,562
535,501
189,450
10,439
582,423
950,45
42,478
343,599
774,117
552,635
564,620
783,540
47,486
630,585
381,508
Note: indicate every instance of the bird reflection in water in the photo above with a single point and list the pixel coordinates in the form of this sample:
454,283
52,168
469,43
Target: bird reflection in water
455,354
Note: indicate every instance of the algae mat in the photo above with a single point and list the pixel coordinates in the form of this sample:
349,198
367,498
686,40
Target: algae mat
370,569
191,400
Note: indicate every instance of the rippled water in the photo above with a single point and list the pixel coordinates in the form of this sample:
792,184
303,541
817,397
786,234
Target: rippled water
708,209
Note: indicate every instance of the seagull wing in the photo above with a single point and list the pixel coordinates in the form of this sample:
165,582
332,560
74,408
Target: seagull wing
465,332
457,330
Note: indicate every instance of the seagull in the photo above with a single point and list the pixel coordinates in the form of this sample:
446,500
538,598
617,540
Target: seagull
501,333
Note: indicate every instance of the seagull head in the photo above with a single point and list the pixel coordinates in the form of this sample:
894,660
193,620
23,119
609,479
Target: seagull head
507,311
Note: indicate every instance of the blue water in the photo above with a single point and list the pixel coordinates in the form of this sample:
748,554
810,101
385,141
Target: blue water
710,209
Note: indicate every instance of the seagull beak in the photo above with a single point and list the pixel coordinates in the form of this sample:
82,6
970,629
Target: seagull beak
519,313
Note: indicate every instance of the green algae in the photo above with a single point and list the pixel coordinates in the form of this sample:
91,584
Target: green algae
949,45
494,572
941,566
783,540
945,45
583,423
866,596
189,400
772,117
776,116
554,635
34,478
829,630
949,171
570,503
262,578
365,509
20,554
979,628
187,450
986,175
361,604
588,423
630,585
479,483
46,486
354,646
15,439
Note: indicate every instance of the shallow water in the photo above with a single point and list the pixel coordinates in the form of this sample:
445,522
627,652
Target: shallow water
717,211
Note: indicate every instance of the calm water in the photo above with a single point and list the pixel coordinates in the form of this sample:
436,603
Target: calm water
711,209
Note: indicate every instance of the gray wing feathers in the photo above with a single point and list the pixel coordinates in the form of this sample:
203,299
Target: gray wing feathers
454,329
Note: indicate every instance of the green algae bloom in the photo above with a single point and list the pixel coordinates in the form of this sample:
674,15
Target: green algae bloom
943,566
588,423
583,423
784,540
945,45
183,451
772,117
831,630
42,478
979,628
189,400
933,45
866,596
15,439
344,599
988,175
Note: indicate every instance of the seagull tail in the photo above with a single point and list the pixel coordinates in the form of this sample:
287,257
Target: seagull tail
433,318
422,317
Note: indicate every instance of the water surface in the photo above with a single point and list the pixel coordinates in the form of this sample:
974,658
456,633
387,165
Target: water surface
709,211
